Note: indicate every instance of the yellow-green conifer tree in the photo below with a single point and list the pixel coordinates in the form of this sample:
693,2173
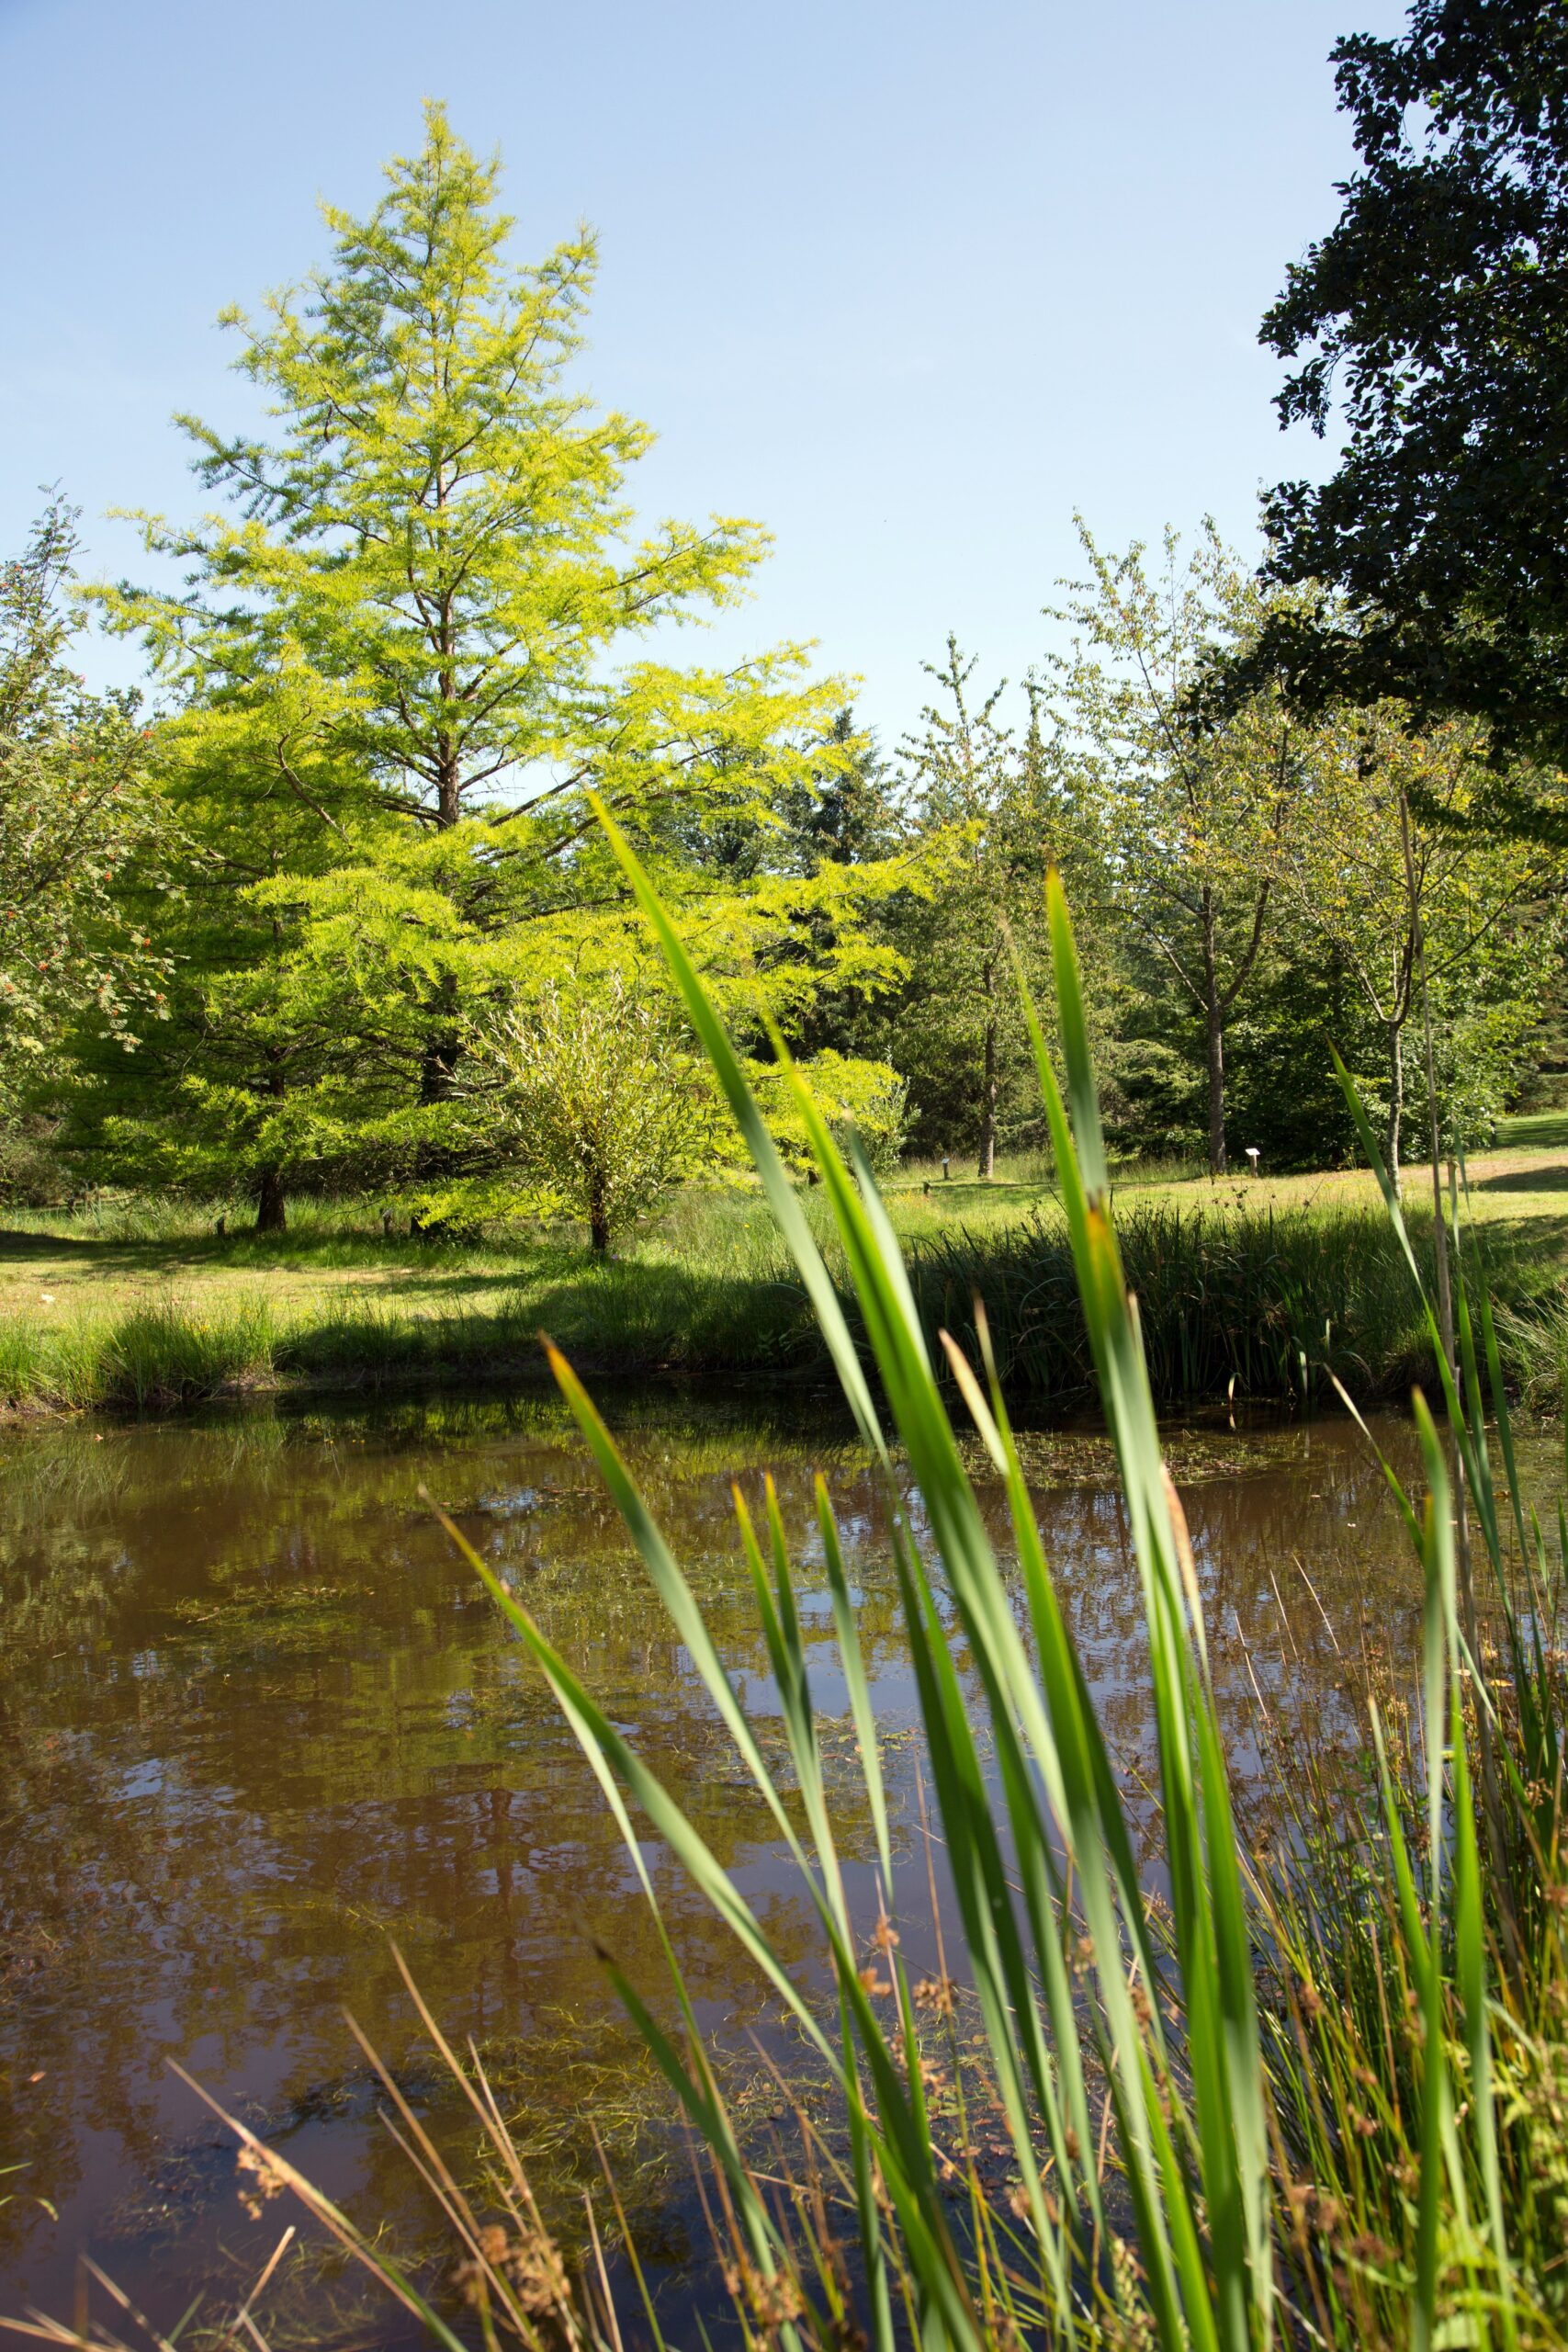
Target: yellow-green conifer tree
435,532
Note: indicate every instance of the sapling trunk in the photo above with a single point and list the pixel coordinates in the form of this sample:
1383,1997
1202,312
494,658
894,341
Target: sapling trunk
1214,1038
272,1197
987,1156
1216,1061
1393,1134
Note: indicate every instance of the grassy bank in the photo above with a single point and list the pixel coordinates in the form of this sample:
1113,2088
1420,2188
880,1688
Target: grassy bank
141,1320
1254,1289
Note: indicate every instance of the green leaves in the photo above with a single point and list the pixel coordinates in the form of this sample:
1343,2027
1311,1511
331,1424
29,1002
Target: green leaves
77,815
595,1100
1431,311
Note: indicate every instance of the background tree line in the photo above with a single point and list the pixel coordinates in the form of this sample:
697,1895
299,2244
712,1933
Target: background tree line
335,913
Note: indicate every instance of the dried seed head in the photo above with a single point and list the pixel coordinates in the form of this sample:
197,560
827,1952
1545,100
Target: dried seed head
261,2181
935,1993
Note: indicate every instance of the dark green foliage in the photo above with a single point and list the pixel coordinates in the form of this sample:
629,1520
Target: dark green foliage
849,811
1435,317
1283,1095
219,1098
74,812
33,1175
1542,1081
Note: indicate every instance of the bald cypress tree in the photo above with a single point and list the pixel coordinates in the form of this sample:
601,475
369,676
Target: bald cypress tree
432,541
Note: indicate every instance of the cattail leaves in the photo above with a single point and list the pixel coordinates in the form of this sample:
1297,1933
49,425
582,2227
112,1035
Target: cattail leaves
1127,2066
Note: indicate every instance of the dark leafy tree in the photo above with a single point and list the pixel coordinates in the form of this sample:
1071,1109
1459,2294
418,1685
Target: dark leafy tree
849,810
1434,318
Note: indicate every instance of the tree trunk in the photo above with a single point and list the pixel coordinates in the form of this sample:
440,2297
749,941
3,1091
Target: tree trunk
442,1047
987,1157
1214,1043
598,1223
436,1072
1396,1099
1216,1058
272,1214
448,790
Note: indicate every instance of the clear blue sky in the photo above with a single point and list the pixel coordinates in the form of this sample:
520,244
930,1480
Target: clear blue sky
906,282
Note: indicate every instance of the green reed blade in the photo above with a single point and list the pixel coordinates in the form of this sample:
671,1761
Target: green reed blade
1208,1901
780,1192
1470,1969
672,1587
616,1764
853,1664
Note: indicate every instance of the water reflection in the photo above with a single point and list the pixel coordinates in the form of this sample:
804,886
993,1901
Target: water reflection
259,1718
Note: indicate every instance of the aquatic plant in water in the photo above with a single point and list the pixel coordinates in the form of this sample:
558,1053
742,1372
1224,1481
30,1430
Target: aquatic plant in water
1310,2094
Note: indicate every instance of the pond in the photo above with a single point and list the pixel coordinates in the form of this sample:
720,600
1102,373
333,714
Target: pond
260,1723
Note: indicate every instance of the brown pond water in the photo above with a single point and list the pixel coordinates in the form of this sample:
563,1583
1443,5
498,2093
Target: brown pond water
259,1720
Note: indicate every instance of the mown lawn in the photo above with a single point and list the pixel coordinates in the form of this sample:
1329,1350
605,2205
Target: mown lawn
1524,1181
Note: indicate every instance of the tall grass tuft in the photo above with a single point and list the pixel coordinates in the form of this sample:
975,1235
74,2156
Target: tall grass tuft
1312,2099
149,1359
162,1355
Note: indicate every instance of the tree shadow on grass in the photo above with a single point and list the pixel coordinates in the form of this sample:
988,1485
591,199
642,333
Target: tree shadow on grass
1535,1131
23,1246
281,1254
617,1316
1551,1177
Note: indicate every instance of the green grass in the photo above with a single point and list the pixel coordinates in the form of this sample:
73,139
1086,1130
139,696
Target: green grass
1535,1131
138,1310
1314,2094
1238,1302
1263,1289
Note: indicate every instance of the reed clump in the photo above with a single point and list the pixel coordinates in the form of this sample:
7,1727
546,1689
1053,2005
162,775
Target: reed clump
1312,2092
153,1358
1276,1306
